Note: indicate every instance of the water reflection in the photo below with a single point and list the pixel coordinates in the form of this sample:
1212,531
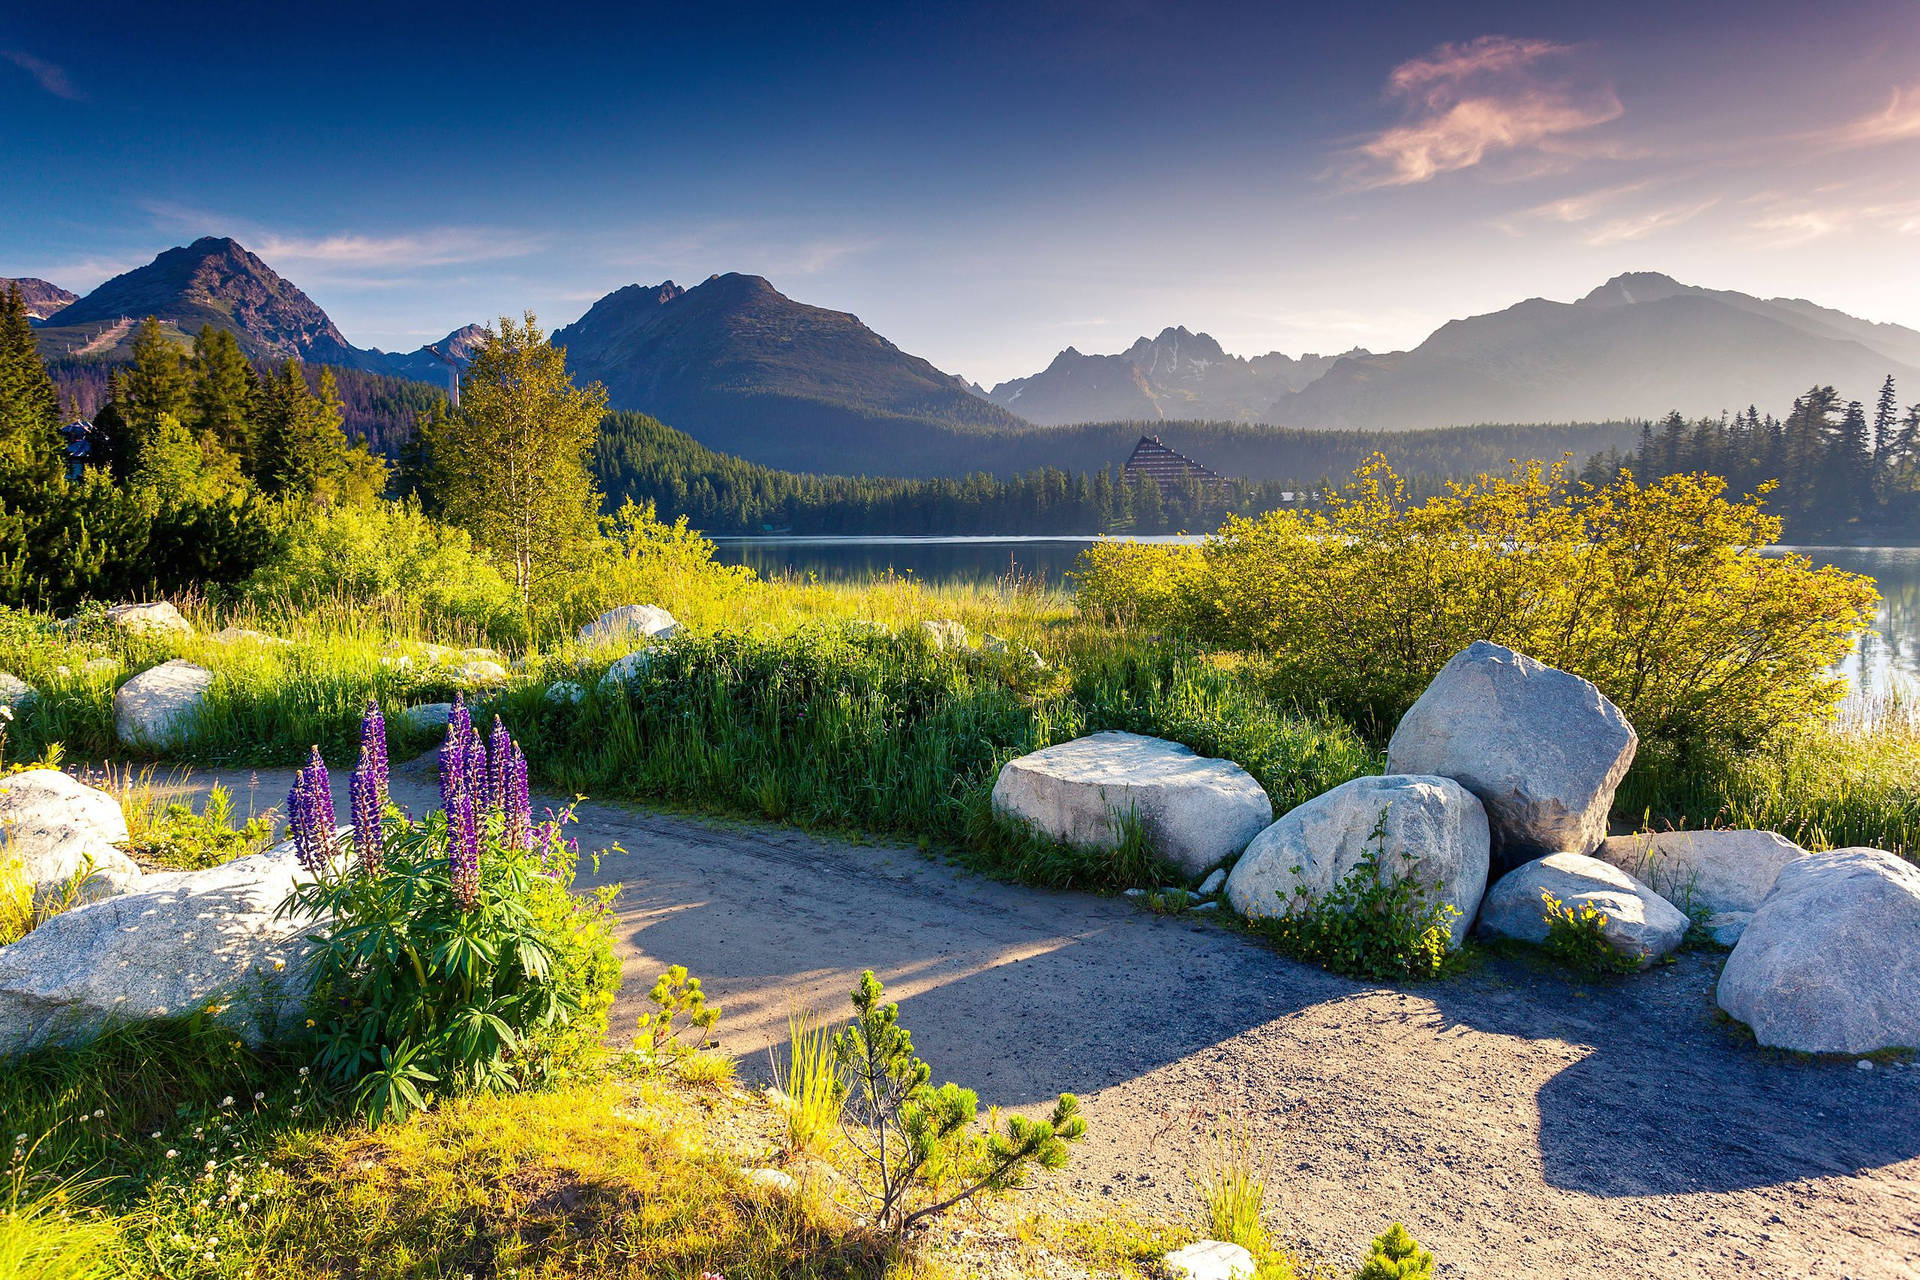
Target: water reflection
1884,664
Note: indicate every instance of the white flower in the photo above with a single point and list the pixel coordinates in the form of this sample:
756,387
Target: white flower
99,1115
303,1071
258,1097
210,1166
227,1101
171,1153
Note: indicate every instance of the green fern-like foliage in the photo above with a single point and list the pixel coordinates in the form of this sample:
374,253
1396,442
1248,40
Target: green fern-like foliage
1396,1255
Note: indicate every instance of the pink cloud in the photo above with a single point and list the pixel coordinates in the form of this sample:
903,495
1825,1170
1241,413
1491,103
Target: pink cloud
1898,122
1467,102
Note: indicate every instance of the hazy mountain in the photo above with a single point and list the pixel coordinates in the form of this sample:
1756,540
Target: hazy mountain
1176,375
1636,347
42,298
743,368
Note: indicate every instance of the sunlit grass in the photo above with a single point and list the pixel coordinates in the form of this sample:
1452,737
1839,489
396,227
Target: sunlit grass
809,1084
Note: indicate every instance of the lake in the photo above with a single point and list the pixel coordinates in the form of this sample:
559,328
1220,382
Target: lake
1886,661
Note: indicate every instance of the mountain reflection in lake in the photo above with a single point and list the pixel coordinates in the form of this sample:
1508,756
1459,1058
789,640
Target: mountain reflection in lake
1884,664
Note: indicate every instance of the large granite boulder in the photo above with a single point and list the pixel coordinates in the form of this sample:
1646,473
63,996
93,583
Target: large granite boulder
184,941
1640,923
1210,1260
1194,811
157,708
1724,874
158,619
1543,749
1831,960
630,624
1432,830
54,825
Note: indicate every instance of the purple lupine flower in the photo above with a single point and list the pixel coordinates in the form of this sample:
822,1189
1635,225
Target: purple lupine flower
463,851
363,796
453,756
373,748
310,815
499,759
473,781
516,804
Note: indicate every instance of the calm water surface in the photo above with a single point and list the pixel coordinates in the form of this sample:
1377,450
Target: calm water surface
1885,662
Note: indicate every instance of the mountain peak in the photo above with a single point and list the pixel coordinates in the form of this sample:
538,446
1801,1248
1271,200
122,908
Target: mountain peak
42,298
1632,287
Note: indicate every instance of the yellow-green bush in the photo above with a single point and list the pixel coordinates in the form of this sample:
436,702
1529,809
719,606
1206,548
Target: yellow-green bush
1659,594
642,560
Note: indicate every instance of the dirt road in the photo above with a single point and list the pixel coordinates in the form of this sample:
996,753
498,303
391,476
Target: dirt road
1521,1125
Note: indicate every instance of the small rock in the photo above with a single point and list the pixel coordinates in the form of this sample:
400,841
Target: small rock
771,1180
1211,905
1210,1260
626,670
630,623
1211,885
157,708
1134,893
15,693
479,672
944,633
566,693
1863,1065
156,619
1727,926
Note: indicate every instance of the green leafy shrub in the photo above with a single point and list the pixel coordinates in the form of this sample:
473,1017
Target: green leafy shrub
1658,594
1396,1255
1374,924
1577,938
675,995
919,1154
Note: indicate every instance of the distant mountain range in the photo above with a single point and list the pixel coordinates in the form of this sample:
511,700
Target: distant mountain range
747,370
1178,375
1638,346
42,298
744,369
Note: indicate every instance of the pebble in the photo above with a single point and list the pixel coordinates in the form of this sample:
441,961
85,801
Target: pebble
1863,1065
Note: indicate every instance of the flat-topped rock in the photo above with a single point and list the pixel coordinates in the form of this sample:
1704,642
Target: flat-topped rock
1830,963
183,941
624,671
1194,811
55,826
1640,923
628,624
1713,871
1433,831
158,618
1542,748
157,708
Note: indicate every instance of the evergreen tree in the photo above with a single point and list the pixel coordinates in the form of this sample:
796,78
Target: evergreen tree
223,393
30,443
512,463
155,385
170,462
1885,428
302,448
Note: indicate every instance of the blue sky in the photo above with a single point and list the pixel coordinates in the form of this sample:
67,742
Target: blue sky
983,184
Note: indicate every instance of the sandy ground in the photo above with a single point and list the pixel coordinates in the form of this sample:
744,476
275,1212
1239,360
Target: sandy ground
1520,1124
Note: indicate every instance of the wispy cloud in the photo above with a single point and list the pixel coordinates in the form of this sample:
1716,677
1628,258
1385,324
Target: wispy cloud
1899,121
434,247
1640,225
1466,102
47,75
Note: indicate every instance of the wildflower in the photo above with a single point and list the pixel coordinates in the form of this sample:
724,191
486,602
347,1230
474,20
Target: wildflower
99,1115
367,791
303,1071
517,803
310,815
259,1097
227,1101
211,1165
499,749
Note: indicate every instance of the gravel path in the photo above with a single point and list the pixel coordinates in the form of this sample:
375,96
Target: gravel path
1519,1124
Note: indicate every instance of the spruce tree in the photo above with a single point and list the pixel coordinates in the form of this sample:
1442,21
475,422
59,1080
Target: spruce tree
302,448
223,393
30,443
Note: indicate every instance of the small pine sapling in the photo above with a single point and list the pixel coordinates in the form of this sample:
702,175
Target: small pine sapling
675,995
917,1141
1396,1255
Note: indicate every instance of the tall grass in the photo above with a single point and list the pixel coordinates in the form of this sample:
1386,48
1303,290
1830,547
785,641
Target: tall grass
46,1235
809,1082
1233,1192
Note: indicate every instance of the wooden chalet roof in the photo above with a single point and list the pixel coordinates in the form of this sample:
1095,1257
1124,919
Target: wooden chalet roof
1165,467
